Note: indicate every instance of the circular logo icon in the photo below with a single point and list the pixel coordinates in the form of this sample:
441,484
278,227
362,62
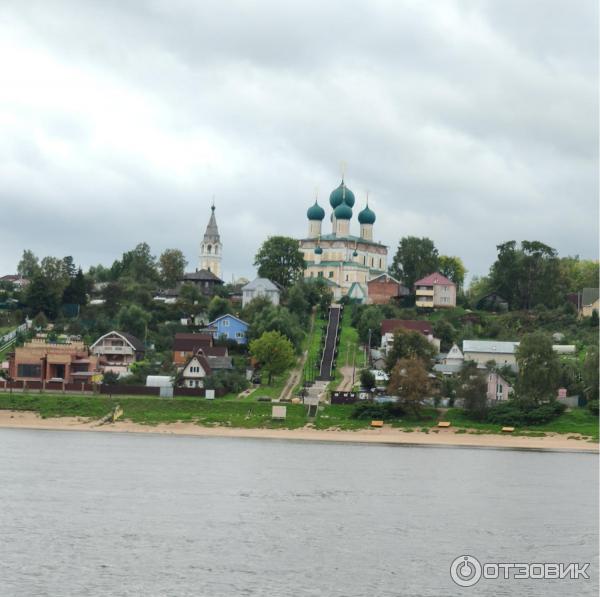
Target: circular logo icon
465,571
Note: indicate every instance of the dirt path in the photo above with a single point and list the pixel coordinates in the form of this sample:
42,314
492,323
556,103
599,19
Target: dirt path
296,373
294,378
346,384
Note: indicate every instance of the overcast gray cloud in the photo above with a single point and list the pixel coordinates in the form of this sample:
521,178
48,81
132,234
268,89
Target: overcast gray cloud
472,122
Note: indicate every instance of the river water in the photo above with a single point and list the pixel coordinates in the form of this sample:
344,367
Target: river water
149,515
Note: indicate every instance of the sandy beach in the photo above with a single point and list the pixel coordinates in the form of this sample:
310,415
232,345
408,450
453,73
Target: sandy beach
385,435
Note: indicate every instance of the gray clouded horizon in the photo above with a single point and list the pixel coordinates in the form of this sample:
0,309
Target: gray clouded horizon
471,122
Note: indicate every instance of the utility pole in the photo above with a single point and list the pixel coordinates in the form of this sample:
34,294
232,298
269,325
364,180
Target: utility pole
368,359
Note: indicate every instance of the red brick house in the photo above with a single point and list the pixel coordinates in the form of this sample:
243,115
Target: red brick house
384,289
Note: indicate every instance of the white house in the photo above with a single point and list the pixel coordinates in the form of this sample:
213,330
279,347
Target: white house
195,370
260,287
483,351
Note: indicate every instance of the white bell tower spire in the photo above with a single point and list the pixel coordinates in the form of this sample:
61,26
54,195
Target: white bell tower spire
210,247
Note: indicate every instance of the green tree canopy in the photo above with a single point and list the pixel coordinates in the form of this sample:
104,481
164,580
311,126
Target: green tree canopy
409,345
277,319
274,352
590,373
76,290
414,259
367,379
134,320
453,268
280,260
409,381
139,264
29,265
538,376
528,275
218,306
172,267
471,388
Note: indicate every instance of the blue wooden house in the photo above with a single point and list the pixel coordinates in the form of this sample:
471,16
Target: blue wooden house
230,327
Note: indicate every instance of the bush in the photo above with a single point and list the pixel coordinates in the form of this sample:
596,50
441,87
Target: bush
519,415
372,410
230,381
593,406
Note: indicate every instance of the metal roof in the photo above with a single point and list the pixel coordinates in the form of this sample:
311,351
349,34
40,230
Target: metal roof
491,346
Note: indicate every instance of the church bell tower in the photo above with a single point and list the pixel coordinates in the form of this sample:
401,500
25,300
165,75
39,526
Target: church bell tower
210,247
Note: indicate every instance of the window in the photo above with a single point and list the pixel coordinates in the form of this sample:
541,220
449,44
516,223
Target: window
380,262
209,249
240,335
364,260
320,274
225,323
346,277
331,274
372,261
29,370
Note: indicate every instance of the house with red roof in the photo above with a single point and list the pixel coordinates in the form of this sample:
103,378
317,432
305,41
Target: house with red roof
435,291
390,326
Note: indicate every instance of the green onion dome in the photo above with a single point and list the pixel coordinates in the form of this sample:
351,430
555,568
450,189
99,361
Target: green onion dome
318,251
343,212
366,216
341,194
315,212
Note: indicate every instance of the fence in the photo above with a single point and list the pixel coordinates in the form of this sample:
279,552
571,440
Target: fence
343,397
117,390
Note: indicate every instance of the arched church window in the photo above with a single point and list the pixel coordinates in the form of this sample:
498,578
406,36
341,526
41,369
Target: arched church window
209,249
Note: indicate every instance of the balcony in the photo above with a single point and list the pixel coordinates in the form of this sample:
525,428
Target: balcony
424,302
106,350
424,292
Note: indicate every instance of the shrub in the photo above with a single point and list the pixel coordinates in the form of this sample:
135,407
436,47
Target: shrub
373,410
519,415
593,406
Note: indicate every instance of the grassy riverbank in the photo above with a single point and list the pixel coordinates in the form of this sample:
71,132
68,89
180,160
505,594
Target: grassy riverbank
248,413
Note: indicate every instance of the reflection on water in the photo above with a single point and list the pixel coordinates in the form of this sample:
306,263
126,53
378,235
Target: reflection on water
129,515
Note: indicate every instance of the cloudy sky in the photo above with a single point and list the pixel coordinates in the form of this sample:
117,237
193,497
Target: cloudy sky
471,122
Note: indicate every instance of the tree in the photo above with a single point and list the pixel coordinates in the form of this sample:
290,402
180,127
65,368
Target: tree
277,319
218,306
133,320
274,352
414,259
537,380
367,379
528,275
112,295
590,373
453,268
29,265
41,296
409,345
297,303
172,267
370,319
68,267
472,390
75,292
446,332
139,264
40,321
579,273
280,260
409,381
